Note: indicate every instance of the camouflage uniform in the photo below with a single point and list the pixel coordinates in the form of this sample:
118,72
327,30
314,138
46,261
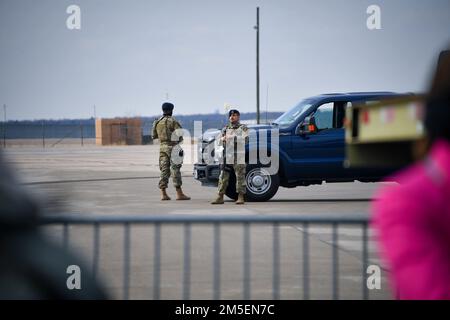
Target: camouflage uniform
162,130
238,164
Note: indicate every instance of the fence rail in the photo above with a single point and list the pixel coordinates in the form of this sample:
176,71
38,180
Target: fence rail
187,221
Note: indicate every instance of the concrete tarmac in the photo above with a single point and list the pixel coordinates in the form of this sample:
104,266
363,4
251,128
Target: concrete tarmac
122,180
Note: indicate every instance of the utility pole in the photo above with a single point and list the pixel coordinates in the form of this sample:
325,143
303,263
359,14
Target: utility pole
43,134
257,66
95,112
81,133
4,126
267,101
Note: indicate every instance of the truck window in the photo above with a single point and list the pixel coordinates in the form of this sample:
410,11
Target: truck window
339,113
291,116
324,116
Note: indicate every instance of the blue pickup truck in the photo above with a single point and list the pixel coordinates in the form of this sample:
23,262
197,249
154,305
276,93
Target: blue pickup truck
311,148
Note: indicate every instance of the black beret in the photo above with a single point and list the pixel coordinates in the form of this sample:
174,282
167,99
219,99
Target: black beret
233,111
167,107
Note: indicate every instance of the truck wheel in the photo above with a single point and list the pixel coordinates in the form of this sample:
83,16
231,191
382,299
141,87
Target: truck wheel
261,186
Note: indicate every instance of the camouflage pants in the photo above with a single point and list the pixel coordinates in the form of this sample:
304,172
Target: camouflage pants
168,168
224,178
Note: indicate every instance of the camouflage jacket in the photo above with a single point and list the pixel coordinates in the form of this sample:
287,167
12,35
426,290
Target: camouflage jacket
237,130
163,129
237,136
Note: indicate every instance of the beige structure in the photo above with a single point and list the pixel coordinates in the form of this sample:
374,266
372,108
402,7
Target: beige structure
119,131
384,134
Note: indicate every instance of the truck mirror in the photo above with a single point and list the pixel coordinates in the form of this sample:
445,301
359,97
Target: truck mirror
312,128
306,126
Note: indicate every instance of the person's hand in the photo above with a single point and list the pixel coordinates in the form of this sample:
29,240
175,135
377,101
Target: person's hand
228,137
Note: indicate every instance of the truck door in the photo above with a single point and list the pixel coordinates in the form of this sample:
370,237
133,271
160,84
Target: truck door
321,154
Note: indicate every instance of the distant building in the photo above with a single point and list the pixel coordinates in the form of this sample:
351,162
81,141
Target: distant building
118,131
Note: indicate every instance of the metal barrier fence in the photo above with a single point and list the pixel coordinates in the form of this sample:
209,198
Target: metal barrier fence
217,222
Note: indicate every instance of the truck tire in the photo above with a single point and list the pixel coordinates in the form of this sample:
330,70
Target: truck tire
260,185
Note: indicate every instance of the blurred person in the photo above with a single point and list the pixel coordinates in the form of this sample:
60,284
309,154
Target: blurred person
413,218
231,131
164,129
32,267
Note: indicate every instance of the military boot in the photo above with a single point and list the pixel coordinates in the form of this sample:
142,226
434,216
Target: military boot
219,199
164,195
181,195
240,199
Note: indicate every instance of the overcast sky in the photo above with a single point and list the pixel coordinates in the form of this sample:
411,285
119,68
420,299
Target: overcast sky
128,55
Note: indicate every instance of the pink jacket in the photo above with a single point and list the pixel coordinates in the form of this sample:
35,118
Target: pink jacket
413,225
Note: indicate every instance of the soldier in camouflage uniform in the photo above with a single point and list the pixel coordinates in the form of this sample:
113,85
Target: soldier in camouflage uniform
169,148
230,133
